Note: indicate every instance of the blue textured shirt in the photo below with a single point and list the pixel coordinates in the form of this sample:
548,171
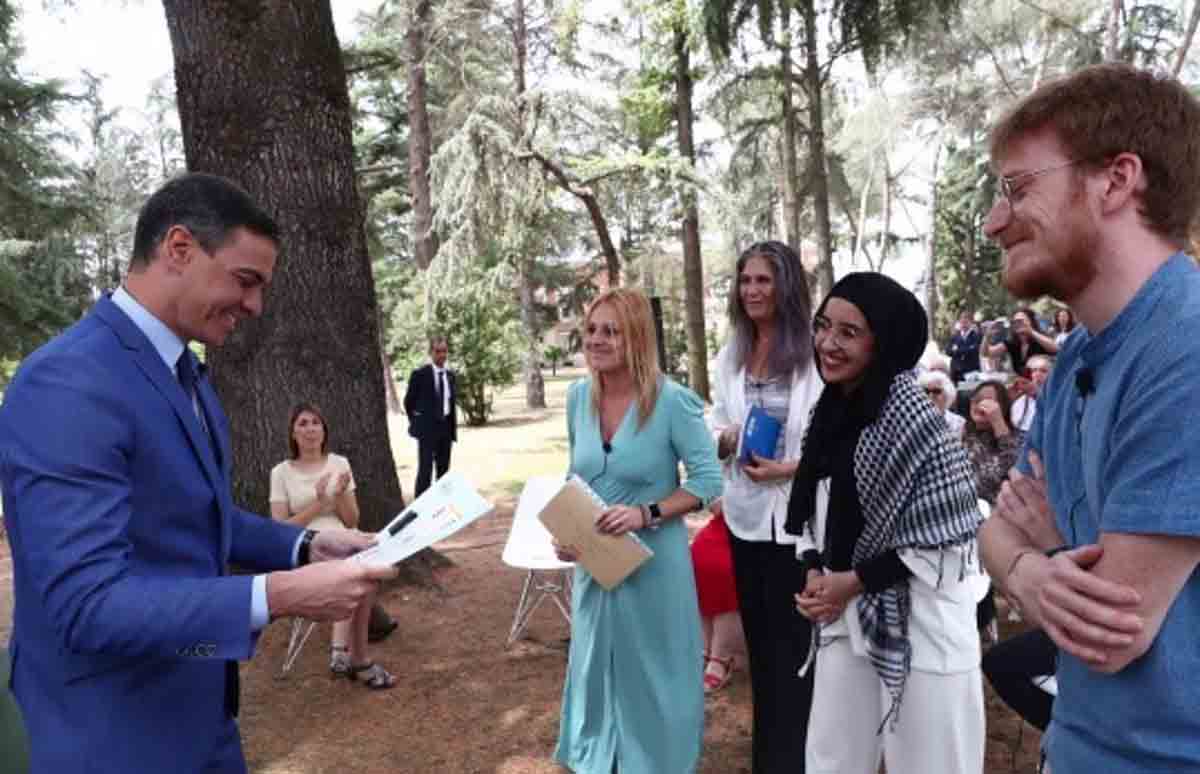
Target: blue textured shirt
1126,459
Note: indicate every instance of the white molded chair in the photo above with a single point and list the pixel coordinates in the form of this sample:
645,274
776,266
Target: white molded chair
529,548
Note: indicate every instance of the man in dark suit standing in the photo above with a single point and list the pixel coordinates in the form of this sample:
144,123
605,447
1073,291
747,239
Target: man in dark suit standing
430,402
115,465
964,347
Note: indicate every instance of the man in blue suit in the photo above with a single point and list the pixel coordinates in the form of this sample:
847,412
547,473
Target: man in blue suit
115,469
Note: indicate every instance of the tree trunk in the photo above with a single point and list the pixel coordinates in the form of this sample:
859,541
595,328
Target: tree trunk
791,168
860,236
816,151
932,296
389,383
263,100
693,268
535,385
1188,37
885,233
420,142
1114,24
1047,38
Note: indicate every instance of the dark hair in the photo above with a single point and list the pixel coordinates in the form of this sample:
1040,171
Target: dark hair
792,347
438,338
1034,322
1101,111
210,207
1001,398
297,410
1070,320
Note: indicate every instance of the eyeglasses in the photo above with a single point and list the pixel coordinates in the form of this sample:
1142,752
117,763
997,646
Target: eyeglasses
933,392
605,331
842,335
1008,183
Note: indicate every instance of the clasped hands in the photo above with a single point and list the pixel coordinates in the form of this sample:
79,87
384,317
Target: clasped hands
1082,613
826,595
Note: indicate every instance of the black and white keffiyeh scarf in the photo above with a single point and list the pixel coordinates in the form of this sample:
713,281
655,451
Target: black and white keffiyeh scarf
916,491
913,481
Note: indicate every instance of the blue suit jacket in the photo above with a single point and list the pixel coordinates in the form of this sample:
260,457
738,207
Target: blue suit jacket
122,526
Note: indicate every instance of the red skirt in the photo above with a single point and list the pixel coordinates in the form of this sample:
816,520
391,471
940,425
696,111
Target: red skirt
712,560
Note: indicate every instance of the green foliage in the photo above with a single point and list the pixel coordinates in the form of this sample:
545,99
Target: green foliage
555,355
968,265
42,291
476,315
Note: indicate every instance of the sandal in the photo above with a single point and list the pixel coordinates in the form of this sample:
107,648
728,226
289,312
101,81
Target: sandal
374,676
714,682
339,661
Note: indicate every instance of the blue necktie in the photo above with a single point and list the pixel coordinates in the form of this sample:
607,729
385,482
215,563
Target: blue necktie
189,379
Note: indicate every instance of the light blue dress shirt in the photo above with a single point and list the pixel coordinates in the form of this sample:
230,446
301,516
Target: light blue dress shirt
169,348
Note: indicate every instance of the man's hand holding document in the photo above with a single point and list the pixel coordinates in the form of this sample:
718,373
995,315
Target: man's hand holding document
570,515
441,510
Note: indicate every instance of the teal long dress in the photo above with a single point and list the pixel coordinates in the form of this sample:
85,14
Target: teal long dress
633,697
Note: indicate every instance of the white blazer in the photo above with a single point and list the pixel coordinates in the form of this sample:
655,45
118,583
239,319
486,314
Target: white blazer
730,409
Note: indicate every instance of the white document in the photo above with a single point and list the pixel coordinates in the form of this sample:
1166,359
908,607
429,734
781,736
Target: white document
441,510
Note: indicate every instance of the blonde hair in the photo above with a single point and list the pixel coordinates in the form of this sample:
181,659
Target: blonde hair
639,346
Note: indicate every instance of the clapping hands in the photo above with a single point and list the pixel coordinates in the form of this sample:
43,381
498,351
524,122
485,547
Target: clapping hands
342,483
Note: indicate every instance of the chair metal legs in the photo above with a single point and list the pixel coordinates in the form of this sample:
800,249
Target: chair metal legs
302,628
539,586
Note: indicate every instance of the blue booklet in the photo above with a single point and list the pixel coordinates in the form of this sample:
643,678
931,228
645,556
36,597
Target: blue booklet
759,435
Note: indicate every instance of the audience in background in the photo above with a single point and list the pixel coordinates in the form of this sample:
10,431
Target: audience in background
942,392
964,347
1024,406
1064,323
1023,340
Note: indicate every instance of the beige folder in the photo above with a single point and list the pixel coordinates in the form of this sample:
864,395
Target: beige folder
571,515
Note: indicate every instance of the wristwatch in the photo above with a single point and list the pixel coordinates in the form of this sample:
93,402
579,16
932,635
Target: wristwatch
303,552
655,519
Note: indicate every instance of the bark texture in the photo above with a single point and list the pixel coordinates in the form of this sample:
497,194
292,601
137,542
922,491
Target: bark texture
693,268
819,175
420,142
263,101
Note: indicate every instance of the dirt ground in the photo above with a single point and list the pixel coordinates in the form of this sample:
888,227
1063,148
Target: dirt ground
465,703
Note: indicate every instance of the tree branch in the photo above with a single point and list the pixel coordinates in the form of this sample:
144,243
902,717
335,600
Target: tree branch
995,63
1187,39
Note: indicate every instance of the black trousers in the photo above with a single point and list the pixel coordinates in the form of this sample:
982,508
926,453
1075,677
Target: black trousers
1010,667
777,643
431,450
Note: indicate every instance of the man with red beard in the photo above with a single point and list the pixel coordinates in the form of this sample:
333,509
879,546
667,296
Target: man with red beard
1099,177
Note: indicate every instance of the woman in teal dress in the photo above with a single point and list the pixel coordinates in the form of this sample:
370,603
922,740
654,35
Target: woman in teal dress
633,701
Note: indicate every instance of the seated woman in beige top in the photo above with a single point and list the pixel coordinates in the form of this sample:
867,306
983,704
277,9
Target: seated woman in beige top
315,489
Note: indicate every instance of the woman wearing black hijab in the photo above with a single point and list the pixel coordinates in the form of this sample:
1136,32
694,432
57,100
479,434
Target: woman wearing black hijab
885,498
